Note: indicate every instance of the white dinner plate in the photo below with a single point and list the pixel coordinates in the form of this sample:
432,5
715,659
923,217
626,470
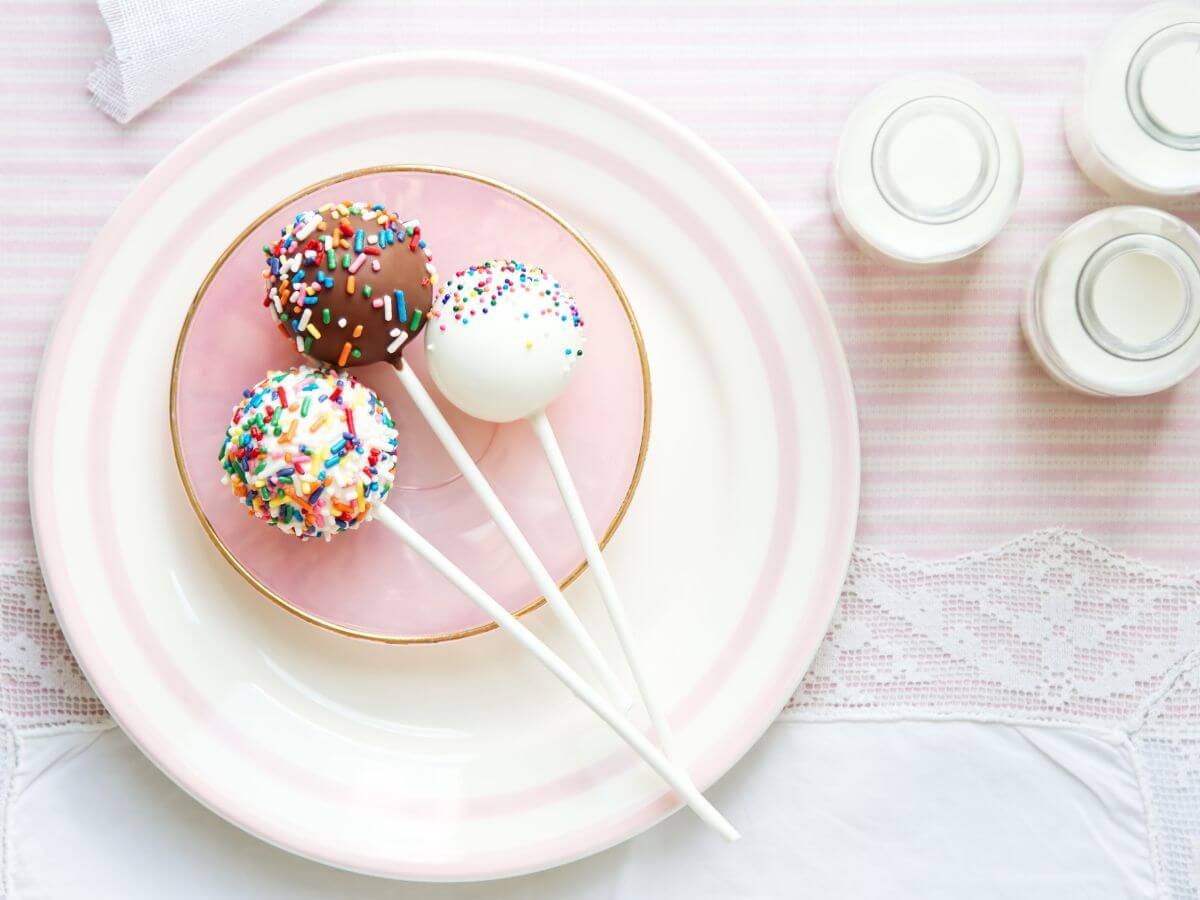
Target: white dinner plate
460,760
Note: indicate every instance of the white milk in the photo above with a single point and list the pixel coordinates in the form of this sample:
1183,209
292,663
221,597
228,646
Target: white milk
1169,86
1134,129
928,169
1115,304
1140,299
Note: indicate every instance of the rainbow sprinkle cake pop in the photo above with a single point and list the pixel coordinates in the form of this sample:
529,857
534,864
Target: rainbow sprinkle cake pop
350,283
310,451
504,340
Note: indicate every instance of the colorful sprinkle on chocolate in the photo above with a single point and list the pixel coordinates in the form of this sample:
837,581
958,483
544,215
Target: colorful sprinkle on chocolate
316,275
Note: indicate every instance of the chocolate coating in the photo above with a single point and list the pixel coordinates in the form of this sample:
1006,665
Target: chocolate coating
374,300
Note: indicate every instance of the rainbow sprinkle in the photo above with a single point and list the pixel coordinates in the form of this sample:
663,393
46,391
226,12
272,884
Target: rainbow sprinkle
310,451
545,309
299,264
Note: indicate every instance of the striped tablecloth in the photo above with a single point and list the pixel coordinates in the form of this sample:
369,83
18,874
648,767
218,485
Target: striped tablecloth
965,441
943,688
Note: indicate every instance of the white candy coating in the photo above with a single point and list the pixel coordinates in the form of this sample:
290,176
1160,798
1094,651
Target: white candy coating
503,340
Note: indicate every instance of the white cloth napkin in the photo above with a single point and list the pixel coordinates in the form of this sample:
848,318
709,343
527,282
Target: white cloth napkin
157,45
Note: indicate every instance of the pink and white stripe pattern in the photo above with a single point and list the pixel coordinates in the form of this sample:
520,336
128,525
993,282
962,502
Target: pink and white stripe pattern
965,441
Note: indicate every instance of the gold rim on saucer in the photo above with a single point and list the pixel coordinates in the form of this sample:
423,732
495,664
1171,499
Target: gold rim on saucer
187,323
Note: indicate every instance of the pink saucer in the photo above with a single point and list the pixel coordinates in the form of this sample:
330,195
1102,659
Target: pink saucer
366,583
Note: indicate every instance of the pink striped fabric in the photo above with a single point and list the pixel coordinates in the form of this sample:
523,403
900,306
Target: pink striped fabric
965,441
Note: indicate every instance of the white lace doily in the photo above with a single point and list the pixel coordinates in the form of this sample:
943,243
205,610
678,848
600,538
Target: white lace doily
1050,629
40,682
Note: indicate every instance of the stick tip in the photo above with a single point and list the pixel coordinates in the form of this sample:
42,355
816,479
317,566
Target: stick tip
718,822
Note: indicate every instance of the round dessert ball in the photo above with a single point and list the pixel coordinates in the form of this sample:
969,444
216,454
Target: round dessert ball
504,340
310,451
350,283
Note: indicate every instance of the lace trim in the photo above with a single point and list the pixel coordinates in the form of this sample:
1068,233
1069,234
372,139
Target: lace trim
8,768
40,682
1167,744
1051,627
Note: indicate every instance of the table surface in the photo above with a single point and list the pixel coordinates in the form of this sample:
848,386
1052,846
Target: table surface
965,441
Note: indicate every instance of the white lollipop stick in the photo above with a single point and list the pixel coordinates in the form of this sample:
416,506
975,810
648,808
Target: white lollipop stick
604,581
670,773
541,577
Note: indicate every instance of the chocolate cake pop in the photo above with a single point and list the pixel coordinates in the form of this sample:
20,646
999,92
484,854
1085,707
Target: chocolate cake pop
310,451
504,340
350,283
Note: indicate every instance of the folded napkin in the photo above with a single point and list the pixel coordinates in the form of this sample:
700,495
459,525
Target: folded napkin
157,45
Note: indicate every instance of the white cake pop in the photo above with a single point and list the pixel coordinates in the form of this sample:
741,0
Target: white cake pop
503,340
502,343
